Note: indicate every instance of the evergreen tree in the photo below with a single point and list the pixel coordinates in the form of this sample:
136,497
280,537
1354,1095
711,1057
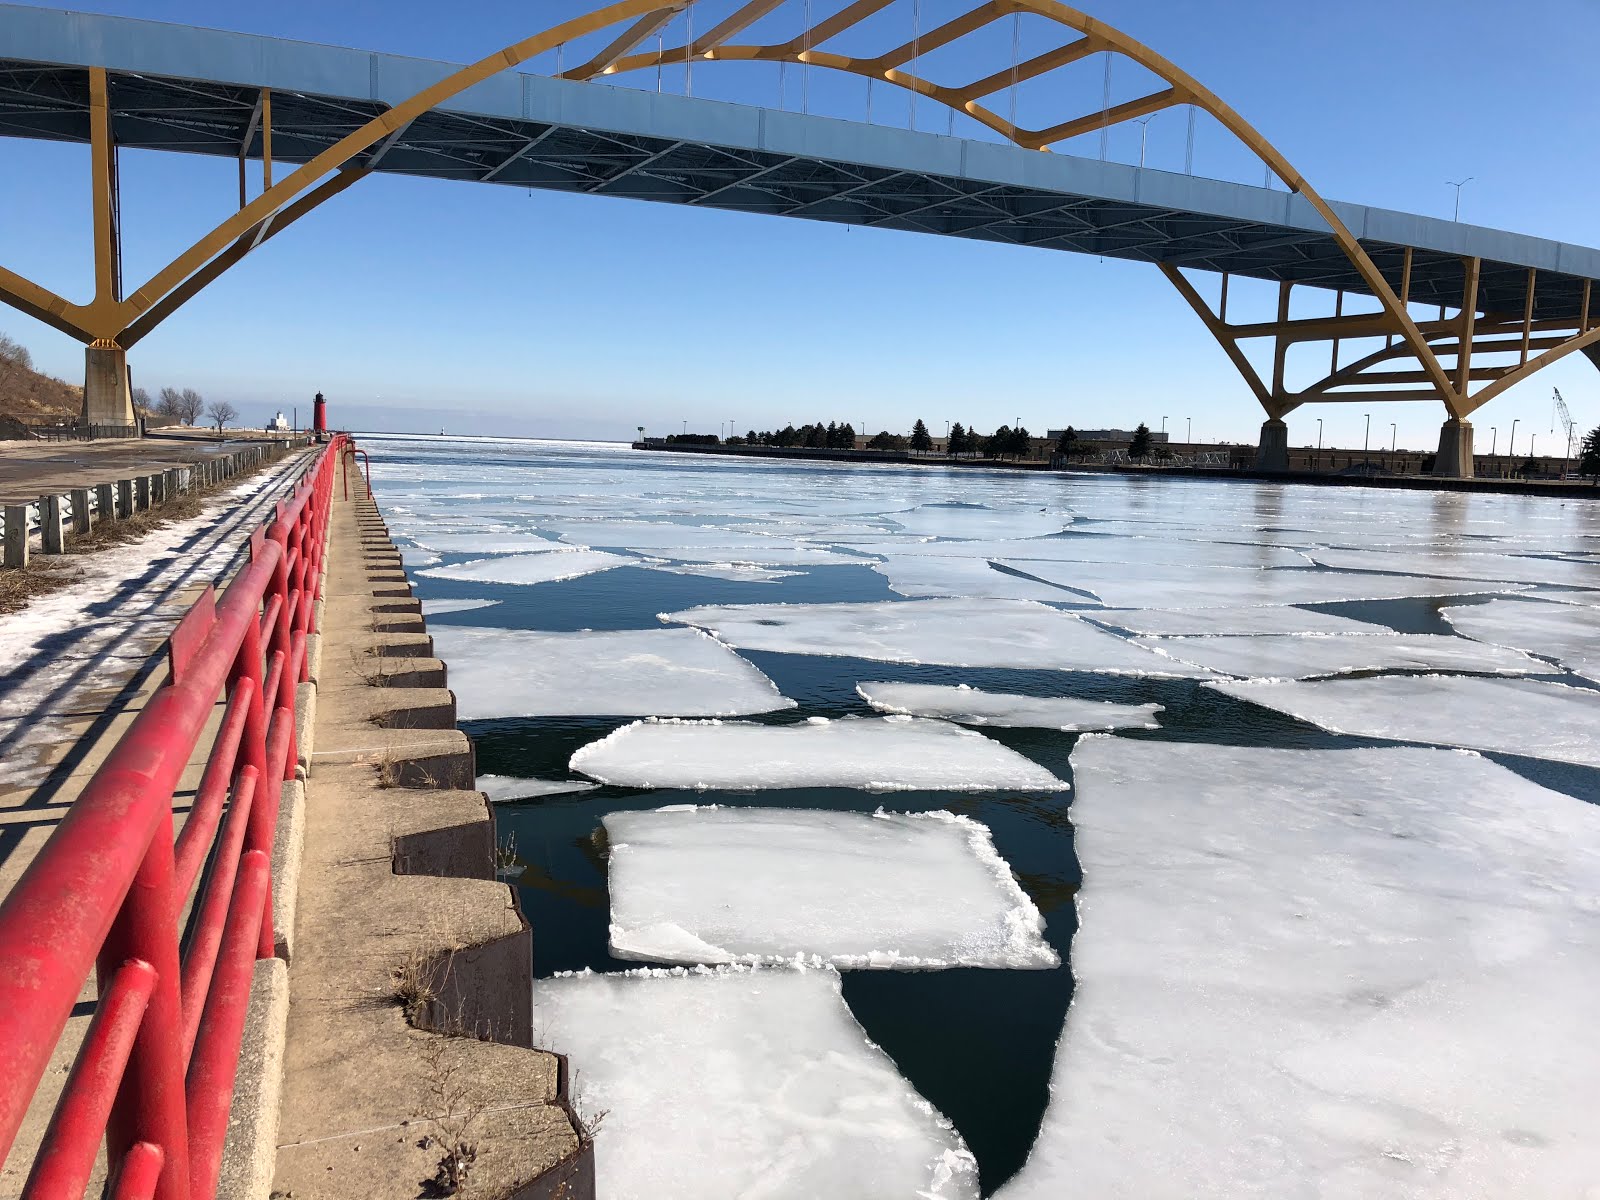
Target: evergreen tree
1139,448
847,436
998,444
1067,445
1589,460
816,436
1021,441
920,441
958,439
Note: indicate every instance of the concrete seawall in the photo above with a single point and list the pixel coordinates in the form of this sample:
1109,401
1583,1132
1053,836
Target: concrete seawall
408,1058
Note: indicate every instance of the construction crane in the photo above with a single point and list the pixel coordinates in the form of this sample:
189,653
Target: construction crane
1559,412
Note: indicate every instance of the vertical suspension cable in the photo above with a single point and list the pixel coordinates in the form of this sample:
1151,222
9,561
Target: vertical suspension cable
869,99
805,67
661,57
561,56
1016,53
688,52
1188,153
1105,110
916,53
783,88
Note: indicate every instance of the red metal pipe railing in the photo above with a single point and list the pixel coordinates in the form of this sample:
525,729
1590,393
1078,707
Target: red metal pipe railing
154,1075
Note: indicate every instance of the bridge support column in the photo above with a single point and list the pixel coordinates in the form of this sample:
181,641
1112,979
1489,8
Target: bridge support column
107,396
1454,459
1273,452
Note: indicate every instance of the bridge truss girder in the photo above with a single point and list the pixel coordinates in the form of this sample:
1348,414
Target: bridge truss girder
114,321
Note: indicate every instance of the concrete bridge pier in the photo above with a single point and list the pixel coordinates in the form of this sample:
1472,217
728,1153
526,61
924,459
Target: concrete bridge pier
107,394
1454,460
1273,452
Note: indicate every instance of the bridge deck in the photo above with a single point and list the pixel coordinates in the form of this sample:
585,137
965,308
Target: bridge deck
191,90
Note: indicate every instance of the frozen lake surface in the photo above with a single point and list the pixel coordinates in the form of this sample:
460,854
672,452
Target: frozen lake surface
1317,951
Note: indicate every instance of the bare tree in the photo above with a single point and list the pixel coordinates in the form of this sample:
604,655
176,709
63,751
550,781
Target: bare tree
191,406
170,402
221,412
14,353
141,399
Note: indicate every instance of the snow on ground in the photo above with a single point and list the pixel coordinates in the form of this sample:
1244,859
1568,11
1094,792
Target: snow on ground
874,753
1512,716
969,706
750,1083
1232,587
1569,633
437,608
952,632
1288,656
1452,564
70,643
629,672
1343,973
545,567
502,789
1228,622
890,891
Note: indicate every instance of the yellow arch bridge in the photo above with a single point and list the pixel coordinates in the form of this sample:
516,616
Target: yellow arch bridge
1422,310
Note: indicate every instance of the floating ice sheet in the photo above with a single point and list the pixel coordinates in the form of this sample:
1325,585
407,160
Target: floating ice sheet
879,754
1567,632
1512,716
1224,622
774,554
1288,656
1230,587
1445,565
1309,973
488,543
789,1098
953,632
920,578
629,672
979,521
737,572
502,789
1139,551
531,568
970,706
892,891
654,535
438,608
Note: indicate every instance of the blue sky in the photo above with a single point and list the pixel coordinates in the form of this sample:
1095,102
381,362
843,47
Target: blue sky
416,303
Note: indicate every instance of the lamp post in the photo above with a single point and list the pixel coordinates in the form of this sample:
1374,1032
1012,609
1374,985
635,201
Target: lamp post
1319,443
1188,431
1458,187
1163,424
1511,449
1494,439
1365,439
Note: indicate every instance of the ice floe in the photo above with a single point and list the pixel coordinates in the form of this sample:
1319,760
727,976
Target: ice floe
502,789
1290,656
889,891
969,706
1324,974
733,1082
920,578
737,572
1224,622
1512,716
952,632
531,568
438,608
1090,548
876,753
627,672
1443,565
1231,587
1569,633
979,521
488,543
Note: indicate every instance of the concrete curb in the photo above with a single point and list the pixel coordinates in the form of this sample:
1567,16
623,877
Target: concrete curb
249,1154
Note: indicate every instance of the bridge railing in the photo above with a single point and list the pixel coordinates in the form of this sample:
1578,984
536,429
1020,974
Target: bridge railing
154,1075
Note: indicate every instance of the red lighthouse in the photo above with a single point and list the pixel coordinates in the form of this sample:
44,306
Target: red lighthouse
319,417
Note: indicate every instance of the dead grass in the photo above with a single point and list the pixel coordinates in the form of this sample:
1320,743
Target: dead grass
46,573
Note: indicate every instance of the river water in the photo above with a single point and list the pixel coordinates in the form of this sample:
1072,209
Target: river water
1262,582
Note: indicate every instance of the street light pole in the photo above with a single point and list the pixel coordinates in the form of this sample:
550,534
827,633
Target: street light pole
1494,440
1458,187
1366,457
1188,432
1511,450
1319,443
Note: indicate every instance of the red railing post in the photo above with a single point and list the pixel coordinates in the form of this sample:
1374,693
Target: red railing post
150,1104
